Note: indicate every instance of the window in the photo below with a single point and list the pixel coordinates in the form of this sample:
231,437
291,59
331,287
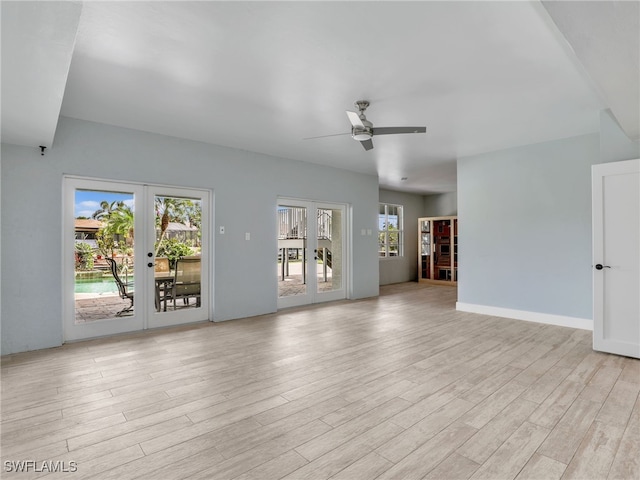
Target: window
390,233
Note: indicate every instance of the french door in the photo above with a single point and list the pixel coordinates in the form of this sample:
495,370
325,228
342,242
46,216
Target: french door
177,238
311,252
616,257
135,257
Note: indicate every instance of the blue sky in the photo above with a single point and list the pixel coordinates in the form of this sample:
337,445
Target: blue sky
393,220
88,201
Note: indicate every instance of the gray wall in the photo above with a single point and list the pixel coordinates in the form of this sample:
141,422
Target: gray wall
525,222
403,269
245,187
441,205
525,227
614,144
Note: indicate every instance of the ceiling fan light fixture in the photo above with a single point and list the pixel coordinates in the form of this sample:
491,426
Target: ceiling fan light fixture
361,135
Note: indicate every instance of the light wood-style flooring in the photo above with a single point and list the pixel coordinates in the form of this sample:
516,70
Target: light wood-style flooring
397,387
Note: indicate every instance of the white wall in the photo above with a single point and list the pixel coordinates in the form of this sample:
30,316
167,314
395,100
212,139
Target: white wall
525,228
405,268
245,185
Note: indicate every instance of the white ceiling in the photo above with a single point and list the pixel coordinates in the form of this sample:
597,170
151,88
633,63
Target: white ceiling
263,76
37,45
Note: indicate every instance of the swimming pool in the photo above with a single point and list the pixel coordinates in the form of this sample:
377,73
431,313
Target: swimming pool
102,285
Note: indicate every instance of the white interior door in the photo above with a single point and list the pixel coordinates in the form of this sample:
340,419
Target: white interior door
114,237
616,257
311,252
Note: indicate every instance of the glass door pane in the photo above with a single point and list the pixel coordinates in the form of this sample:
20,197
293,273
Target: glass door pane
104,274
292,250
178,264
102,258
330,254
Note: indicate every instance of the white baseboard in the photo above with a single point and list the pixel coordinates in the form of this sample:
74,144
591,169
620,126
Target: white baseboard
559,320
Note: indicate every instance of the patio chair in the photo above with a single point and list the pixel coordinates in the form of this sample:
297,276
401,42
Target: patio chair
125,290
164,282
187,280
162,265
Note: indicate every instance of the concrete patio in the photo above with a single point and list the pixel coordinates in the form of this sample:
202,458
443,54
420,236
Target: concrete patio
92,307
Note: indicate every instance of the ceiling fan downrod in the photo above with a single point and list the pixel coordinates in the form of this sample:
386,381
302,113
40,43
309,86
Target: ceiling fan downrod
362,106
364,131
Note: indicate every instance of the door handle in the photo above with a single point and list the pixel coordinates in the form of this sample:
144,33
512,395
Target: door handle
149,264
599,266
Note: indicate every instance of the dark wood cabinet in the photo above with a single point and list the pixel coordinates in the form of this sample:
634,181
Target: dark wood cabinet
438,250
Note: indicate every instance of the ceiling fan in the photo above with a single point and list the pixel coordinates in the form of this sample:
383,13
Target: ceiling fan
362,129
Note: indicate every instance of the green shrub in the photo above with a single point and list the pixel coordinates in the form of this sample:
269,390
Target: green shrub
84,257
106,244
173,250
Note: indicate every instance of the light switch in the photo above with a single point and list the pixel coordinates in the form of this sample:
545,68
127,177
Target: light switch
247,236
363,232
369,231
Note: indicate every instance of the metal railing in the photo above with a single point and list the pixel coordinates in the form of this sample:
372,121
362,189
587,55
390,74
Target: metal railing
292,223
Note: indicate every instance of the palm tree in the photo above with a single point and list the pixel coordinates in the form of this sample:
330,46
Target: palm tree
182,210
105,209
164,205
119,222
122,221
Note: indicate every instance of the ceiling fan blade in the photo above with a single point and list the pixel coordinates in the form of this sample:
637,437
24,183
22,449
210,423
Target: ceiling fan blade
354,118
395,130
367,144
325,136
